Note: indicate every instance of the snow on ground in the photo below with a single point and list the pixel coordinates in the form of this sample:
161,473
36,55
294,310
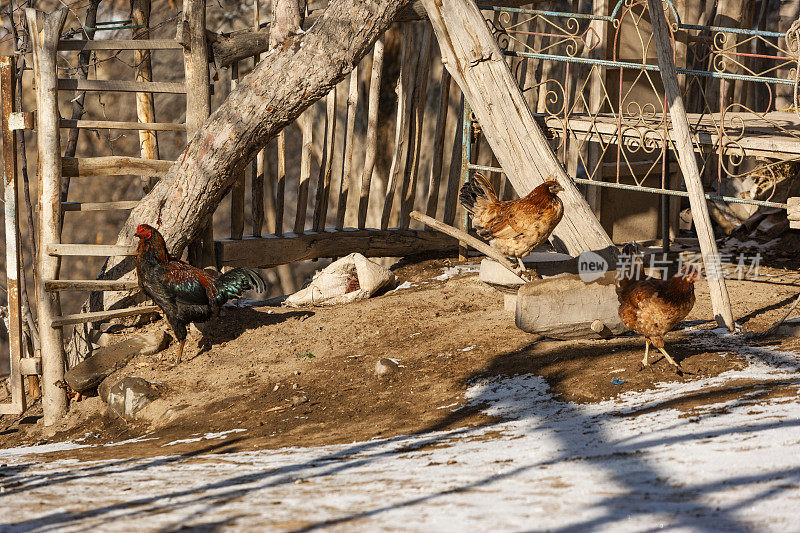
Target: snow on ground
630,464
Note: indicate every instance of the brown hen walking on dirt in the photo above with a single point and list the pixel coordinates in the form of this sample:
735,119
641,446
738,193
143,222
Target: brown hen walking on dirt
513,227
652,307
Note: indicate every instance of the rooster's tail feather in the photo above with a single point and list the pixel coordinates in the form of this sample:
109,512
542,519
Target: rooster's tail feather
234,282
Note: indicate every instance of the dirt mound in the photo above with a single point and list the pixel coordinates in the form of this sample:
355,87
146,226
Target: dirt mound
307,377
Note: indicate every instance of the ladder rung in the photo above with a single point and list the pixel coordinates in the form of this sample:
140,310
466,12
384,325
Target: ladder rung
113,165
98,206
114,125
69,84
53,285
89,250
121,44
99,316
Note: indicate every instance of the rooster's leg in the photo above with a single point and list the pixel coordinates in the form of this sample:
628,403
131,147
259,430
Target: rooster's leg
645,362
180,353
670,359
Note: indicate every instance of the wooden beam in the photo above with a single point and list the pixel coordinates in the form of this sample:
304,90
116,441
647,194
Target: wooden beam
467,238
143,72
117,125
113,165
99,206
102,316
475,61
12,231
45,30
89,250
267,252
87,285
69,84
119,44
720,301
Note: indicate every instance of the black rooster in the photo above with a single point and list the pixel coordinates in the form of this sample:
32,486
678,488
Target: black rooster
185,293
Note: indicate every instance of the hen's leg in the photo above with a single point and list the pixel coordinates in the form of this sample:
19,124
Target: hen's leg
521,265
670,359
645,362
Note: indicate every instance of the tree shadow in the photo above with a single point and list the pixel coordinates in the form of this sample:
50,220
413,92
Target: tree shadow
583,435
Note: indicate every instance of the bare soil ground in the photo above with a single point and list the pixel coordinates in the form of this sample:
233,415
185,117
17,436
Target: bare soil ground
445,334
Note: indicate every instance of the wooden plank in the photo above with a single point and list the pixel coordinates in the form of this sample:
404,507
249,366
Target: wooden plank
89,250
143,72
454,175
347,157
12,231
119,44
720,300
467,238
113,165
102,316
405,108
438,146
267,252
31,366
477,64
198,103
45,30
237,190
793,208
260,170
280,183
88,285
68,84
117,125
305,123
326,168
22,120
409,191
99,206
370,155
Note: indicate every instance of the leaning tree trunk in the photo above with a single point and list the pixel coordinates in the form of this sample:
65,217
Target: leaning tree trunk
287,81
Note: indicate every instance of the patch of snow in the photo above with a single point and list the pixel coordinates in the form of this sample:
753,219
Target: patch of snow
633,463
207,436
404,285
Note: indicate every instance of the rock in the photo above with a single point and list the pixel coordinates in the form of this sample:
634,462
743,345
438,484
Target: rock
566,307
298,399
386,367
130,396
790,328
88,374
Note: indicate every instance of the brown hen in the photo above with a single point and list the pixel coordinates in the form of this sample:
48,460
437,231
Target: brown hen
652,307
514,227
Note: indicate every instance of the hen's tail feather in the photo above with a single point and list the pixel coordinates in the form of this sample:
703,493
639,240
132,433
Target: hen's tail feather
475,190
633,268
234,282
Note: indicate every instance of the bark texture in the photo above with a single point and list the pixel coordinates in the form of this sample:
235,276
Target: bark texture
289,79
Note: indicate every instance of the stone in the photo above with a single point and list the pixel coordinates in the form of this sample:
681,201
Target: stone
89,373
386,367
298,399
130,396
566,307
790,328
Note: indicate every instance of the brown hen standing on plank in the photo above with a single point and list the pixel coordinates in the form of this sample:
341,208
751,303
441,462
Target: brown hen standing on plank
185,293
651,307
513,227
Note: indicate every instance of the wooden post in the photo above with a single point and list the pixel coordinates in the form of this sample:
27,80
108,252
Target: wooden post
347,157
691,174
475,61
145,109
597,78
237,191
438,146
259,173
408,78
45,30
13,271
326,168
192,31
372,130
